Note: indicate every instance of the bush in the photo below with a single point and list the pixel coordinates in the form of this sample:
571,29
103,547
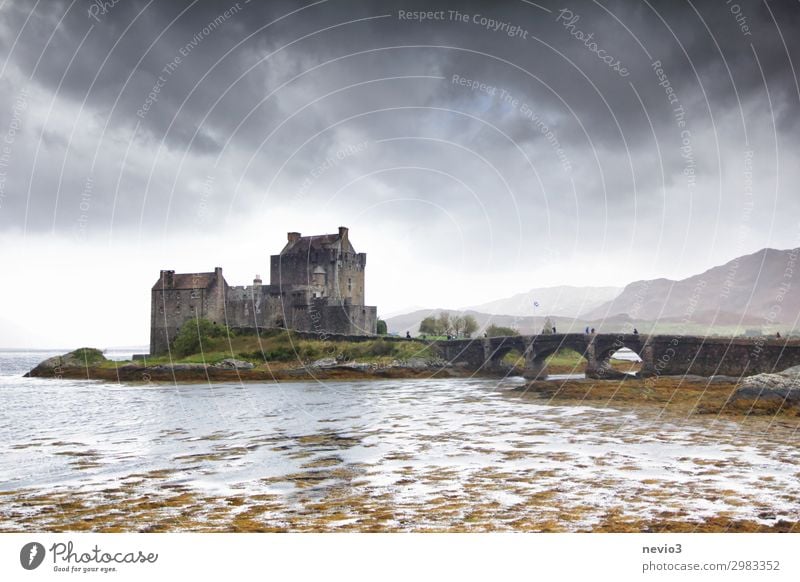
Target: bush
194,334
280,354
499,331
86,356
380,348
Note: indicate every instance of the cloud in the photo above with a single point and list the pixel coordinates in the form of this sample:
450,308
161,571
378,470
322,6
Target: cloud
165,120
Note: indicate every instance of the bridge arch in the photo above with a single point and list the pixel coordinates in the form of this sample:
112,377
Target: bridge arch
605,346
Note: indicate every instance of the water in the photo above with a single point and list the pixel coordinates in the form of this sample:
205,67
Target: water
371,455
627,355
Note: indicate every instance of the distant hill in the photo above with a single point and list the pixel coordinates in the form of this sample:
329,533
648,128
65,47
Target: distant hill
748,295
562,301
525,325
746,290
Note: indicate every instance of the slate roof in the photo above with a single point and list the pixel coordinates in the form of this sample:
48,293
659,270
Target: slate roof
189,281
304,244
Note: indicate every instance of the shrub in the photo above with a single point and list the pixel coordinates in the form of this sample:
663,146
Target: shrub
380,348
194,334
499,330
86,356
280,354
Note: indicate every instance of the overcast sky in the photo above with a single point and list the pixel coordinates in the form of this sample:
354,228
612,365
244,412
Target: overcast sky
490,148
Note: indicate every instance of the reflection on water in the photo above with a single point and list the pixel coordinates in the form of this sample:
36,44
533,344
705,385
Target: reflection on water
380,455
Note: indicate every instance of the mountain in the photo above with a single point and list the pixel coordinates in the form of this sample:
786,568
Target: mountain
751,295
754,290
562,301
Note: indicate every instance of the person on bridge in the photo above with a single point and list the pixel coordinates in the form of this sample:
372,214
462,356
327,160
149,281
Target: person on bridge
779,335
593,330
586,331
408,335
635,331
554,329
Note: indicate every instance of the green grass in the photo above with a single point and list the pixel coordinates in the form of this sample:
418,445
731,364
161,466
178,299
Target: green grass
283,346
564,357
87,355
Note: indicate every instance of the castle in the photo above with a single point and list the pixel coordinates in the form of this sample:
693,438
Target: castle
316,285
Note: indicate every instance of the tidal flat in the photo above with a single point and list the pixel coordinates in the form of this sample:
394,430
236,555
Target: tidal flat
393,455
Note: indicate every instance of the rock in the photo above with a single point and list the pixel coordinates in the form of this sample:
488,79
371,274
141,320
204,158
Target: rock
721,379
420,364
233,364
793,372
178,368
324,363
360,366
80,358
778,388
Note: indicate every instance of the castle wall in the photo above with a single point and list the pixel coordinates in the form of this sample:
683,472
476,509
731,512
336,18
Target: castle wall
316,285
344,273
254,306
340,318
350,272
171,307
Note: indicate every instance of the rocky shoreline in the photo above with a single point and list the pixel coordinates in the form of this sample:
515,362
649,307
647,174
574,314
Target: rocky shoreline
759,394
762,394
89,364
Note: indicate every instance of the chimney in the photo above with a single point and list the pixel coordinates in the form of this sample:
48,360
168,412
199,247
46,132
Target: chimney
257,281
167,279
343,234
293,236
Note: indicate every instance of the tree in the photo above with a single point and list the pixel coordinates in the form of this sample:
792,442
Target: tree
443,324
428,326
457,324
470,325
463,325
500,331
381,327
447,324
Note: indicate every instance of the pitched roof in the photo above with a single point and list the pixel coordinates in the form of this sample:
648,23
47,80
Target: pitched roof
304,244
189,281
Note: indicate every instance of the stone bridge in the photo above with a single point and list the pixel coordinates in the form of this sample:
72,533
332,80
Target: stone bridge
661,354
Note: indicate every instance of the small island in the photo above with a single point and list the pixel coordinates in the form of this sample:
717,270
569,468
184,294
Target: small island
207,352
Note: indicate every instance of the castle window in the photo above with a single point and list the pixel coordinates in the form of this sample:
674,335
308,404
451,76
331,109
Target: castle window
349,285
319,277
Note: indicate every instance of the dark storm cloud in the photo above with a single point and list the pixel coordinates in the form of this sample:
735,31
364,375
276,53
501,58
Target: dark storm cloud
576,122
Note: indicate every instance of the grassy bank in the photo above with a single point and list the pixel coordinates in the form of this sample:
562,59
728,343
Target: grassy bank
279,346
568,361
271,355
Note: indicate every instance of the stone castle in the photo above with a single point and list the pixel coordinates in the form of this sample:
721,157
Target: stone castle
316,285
